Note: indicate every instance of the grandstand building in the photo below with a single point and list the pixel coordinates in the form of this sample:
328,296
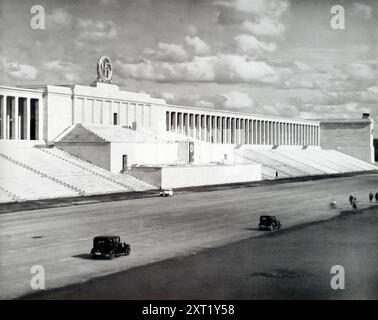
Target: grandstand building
68,140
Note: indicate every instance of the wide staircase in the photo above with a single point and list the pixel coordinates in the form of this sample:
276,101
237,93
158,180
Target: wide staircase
289,163
121,134
30,173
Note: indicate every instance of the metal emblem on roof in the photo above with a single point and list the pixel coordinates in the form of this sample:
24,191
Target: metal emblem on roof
104,69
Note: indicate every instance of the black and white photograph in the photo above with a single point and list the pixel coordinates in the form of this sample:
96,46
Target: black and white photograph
188,150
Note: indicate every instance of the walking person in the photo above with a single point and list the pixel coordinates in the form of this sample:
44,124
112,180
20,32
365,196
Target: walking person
354,204
376,197
351,199
371,196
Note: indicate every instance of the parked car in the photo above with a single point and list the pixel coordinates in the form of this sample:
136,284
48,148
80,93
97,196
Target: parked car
166,193
109,246
269,223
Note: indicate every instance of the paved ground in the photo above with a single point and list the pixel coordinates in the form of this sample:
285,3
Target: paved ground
157,228
293,264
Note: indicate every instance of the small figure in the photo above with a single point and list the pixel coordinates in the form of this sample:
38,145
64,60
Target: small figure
376,197
333,204
354,204
351,199
371,196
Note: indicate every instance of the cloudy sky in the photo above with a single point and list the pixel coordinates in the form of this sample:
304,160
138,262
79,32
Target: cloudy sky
278,57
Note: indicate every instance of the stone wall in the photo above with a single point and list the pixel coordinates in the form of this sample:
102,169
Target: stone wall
350,137
197,175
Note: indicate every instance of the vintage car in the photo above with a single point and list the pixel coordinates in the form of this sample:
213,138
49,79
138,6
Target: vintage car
269,223
109,246
166,193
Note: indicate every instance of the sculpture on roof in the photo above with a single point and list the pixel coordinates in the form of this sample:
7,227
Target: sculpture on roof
104,69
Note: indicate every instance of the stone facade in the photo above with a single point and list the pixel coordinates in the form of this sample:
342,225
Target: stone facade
353,137
44,112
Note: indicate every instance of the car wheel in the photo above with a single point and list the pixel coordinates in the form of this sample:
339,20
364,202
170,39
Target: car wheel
112,255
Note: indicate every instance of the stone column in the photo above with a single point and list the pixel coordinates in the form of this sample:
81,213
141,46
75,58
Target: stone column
246,130
282,133
287,134
228,131
175,119
15,119
266,132
40,119
27,127
240,131
221,137
199,127
182,123
4,123
193,126
305,135
310,134
205,137
292,134
215,129
258,138
186,124
207,129
250,131
232,128
168,121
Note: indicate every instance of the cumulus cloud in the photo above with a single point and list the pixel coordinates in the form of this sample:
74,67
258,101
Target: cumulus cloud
365,96
361,10
95,30
65,70
109,3
265,26
238,100
248,44
59,16
17,70
169,52
187,99
192,30
233,100
199,46
223,68
360,73
274,8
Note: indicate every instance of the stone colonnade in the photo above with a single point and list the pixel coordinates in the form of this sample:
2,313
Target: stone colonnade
239,130
21,117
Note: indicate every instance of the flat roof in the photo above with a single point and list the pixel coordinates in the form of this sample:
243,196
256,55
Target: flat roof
365,120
